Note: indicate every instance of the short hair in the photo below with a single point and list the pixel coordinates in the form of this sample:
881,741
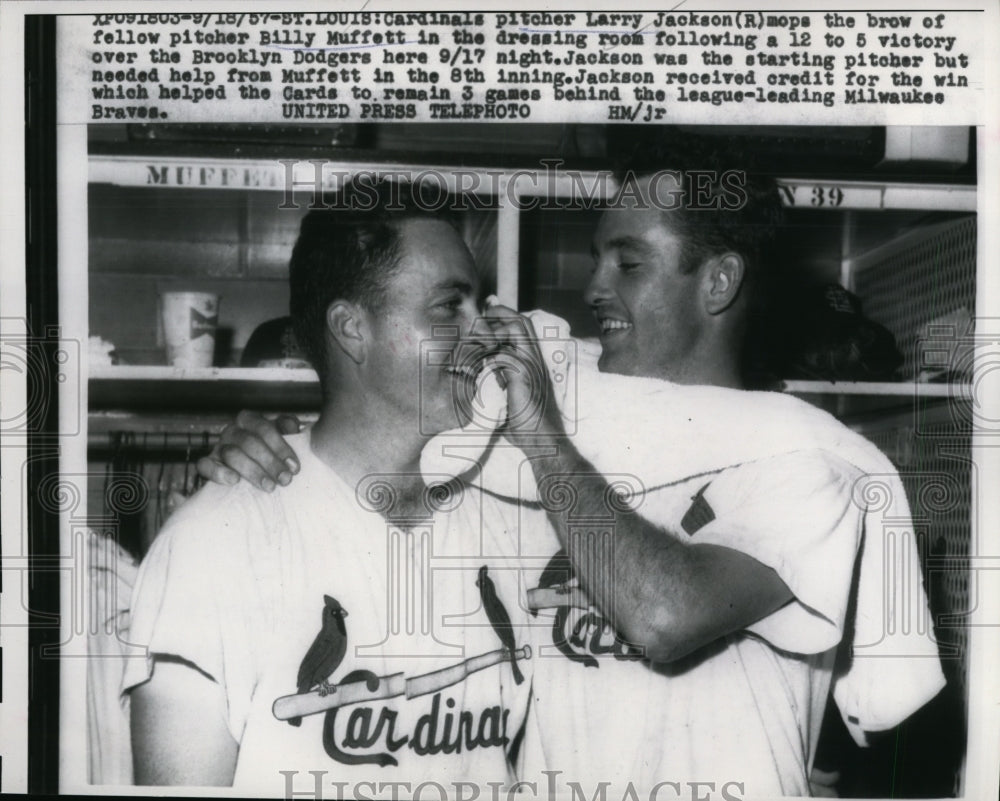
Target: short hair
349,249
746,224
749,228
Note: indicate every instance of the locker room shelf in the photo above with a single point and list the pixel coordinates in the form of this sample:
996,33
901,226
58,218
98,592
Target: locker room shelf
868,405
156,372
152,387
893,388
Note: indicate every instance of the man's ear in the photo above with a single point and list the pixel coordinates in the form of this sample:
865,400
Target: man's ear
723,281
345,323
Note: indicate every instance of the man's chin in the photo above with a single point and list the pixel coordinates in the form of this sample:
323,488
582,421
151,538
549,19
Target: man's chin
612,363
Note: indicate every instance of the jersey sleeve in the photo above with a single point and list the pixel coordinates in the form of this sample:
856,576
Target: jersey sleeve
191,602
795,514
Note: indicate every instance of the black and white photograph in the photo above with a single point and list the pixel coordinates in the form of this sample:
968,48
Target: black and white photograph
477,404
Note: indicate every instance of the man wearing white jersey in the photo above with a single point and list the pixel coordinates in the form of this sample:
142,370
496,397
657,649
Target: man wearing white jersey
354,630
692,633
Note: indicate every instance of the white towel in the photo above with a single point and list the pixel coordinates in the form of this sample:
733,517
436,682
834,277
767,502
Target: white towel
664,433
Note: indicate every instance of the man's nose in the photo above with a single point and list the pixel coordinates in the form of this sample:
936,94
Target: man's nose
476,337
474,325
598,289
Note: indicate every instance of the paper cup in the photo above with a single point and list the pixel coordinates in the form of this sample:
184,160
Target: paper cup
189,323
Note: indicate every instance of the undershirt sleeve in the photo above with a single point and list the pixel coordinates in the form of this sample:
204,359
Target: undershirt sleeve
795,514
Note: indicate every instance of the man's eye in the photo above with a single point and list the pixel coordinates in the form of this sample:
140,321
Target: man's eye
628,266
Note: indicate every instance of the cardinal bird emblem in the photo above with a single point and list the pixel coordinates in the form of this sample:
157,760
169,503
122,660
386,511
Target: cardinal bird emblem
499,619
325,654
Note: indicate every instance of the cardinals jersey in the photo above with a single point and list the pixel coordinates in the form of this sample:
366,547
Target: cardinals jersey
738,718
354,646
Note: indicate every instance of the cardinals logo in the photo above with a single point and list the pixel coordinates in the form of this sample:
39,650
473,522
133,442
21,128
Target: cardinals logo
325,654
444,727
319,664
579,631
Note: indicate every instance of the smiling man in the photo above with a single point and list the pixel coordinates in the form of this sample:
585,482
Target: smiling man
713,655
647,284
290,635
692,632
